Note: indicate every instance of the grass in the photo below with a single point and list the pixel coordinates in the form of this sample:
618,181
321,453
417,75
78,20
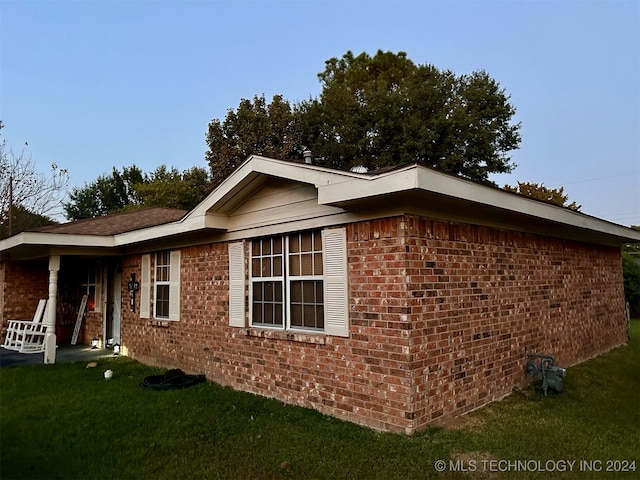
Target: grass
66,421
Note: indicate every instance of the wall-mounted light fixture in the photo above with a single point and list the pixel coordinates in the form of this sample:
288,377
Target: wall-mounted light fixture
133,287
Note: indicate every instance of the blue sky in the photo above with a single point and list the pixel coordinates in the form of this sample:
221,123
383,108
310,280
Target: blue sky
95,84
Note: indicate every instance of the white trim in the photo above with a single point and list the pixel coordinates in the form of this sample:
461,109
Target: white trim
145,286
174,285
236,285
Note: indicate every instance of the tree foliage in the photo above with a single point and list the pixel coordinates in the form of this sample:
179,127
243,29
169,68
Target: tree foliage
254,128
377,111
171,188
538,191
23,220
107,194
631,274
30,195
386,110
131,188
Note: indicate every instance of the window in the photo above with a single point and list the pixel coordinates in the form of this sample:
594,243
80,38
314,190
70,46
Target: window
162,275
267,279
306,300
296,282
165,284
90,286
287,267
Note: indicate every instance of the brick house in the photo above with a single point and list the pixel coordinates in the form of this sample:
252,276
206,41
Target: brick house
392,299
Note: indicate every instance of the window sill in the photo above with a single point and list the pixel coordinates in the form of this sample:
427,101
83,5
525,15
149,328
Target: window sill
317,339
161,323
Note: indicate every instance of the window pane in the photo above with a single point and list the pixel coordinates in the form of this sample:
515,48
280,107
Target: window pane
306,240
306,264
296,292
268,313
277,246
319,292
317,264
296,315
294,265
91,298
266,246
267,303
307,309
277,267
268,291
310,316
162,301
266,267
294,244
317,240
255,248
255,267
257,313
257,292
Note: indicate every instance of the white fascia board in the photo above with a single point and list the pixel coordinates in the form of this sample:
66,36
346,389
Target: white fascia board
362,186
186,225
56,240
256,166
415,177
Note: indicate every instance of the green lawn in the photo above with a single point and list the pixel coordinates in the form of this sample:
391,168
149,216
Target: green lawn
66,421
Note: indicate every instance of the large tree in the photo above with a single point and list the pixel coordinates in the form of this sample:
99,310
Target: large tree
375,112
27,197
386,110
254,128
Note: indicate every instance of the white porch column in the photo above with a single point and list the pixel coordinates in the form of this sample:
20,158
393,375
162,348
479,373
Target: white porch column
50,339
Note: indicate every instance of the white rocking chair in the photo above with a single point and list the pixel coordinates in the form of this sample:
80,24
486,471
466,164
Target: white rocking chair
27,336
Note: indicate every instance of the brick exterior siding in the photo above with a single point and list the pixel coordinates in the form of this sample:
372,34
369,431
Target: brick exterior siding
441,317
21,286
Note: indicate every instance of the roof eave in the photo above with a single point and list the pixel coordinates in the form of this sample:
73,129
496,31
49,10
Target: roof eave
444,187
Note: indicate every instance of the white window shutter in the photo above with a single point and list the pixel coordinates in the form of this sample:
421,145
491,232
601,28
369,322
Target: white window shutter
145,287
236,285
174,285
336,307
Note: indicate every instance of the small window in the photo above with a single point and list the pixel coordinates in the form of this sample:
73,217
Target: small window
162,283
90,287
268,282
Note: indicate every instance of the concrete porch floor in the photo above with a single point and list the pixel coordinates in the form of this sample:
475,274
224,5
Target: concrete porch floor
64,354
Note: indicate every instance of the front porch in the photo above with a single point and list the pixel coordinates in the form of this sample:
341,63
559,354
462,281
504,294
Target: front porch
64,354
63,281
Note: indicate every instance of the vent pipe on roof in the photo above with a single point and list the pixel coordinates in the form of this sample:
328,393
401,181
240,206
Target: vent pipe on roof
308,157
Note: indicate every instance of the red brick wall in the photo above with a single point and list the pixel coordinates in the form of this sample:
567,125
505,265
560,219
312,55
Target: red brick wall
22,284
441,317
482,298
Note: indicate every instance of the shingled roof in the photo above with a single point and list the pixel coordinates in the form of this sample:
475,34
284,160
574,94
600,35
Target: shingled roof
116,223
